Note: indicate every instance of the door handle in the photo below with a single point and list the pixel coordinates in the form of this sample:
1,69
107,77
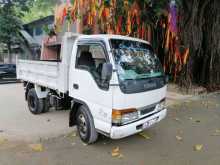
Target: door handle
75,86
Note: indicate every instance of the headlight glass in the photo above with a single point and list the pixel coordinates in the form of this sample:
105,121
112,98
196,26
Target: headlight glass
120,117
161,105
126,118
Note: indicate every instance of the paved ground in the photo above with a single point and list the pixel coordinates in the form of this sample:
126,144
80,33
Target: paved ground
192,122
18,123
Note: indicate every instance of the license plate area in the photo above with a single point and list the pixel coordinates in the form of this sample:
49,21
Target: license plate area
150,122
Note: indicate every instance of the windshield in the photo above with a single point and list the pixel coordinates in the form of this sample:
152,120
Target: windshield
135,60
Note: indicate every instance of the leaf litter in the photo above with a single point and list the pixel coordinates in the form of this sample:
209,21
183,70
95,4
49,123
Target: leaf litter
144,135
71,135
216,132
116,153
179,138
37,147
198,147
3,140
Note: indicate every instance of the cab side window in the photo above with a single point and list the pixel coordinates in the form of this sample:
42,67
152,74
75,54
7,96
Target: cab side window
91,58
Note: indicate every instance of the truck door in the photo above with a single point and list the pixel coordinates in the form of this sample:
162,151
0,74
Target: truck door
86,85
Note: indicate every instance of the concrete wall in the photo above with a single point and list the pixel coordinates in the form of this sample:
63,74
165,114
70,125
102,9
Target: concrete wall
6,60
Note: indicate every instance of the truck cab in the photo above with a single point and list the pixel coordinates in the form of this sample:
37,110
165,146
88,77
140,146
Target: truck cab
116,85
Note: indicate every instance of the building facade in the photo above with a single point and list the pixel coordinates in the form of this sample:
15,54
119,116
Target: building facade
36,28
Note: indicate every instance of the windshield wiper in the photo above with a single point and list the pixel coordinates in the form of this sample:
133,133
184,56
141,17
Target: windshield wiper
130,79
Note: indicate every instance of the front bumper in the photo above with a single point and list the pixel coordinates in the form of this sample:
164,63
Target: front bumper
118,132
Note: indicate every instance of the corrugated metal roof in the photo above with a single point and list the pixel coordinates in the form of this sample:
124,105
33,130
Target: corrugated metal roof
43,20
31,41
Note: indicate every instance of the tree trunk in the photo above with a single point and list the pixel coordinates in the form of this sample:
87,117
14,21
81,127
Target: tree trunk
9,53
200,32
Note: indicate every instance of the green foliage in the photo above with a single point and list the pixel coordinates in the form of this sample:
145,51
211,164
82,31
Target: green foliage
10,23
19,6
39,9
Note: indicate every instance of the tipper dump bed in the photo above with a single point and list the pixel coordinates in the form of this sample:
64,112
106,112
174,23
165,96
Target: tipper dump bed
52,74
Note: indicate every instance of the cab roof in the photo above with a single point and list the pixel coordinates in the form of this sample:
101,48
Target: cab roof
107,37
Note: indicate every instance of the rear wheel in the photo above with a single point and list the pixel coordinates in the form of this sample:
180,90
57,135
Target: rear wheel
46,105
85,125
35,105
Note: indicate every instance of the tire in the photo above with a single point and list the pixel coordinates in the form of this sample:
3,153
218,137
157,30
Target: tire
46,106
35,105
85,125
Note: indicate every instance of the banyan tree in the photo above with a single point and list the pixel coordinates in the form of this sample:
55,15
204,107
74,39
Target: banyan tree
185,34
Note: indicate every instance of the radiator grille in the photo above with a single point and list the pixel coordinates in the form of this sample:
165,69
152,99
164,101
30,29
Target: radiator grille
147,110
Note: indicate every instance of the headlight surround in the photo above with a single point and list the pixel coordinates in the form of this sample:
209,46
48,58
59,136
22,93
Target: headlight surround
161,105
120,117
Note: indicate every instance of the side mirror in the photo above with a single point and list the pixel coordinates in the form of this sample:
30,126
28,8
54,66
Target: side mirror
166,79
107,72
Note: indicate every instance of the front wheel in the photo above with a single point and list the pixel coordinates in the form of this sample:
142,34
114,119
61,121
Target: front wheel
85,125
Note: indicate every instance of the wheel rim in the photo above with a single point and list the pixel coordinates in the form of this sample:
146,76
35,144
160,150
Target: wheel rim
82,125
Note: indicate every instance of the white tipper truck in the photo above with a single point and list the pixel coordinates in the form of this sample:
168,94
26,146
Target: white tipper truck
113,85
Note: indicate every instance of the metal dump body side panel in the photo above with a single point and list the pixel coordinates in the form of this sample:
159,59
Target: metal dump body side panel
39,72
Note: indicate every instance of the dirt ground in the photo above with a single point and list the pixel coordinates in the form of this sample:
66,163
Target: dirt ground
189,135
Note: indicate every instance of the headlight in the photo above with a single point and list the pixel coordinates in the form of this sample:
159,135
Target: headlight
124,116
161,105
